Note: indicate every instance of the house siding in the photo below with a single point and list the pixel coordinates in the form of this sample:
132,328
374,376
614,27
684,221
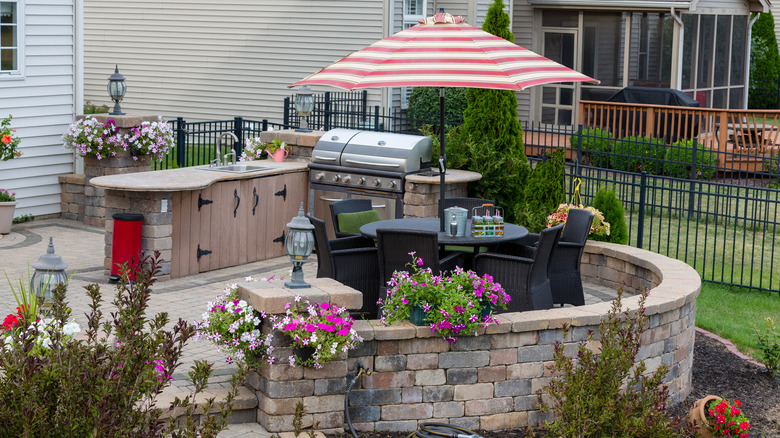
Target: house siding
523,29
42,102
204,60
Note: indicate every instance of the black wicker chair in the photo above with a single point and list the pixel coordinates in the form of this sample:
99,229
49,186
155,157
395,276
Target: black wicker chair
352,261
525,279
395,246
467,203
565,278
347,206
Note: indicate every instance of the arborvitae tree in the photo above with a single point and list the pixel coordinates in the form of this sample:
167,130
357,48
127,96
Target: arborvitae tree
491,122
544,191
764,63
607,202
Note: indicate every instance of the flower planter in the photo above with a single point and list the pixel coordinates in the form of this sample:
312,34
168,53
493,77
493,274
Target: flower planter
487,309
303,354
278,155
698,418
6,216
417,315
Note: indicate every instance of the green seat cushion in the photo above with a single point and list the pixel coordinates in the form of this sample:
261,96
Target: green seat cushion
351,222
466,249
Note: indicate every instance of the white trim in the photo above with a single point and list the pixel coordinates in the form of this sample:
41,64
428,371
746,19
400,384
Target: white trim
18,74
607,4
747,62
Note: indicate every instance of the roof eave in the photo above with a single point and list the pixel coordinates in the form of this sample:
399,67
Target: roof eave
615,4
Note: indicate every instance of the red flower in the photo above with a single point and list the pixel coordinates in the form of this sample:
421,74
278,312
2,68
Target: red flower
10,322
6,139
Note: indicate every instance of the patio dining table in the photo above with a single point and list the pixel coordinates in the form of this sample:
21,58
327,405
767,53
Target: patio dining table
512,232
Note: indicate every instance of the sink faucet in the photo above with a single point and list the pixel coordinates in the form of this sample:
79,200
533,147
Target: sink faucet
216,161
225,158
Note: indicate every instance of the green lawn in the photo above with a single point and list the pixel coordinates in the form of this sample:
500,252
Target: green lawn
730,312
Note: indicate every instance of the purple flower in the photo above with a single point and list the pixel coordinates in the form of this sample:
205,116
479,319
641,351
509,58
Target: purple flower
311,328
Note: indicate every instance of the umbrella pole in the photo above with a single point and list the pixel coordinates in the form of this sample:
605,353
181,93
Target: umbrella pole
442,158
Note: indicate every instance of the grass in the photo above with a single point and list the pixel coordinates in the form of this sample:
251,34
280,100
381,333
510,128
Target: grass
730,312
196,155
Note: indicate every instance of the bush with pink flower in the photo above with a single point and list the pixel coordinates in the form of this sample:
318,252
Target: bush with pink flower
454,305
234,327
599,227
89,137
323,327
151,138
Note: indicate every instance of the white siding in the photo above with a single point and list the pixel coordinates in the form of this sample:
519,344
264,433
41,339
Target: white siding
207,60
43,104
523,29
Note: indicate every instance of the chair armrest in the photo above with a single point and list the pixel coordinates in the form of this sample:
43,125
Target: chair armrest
502,257
341,234
355,241
573,245
452,260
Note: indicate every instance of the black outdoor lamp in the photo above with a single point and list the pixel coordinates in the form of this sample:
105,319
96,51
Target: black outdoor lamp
49,272
299,244
304,105
116,89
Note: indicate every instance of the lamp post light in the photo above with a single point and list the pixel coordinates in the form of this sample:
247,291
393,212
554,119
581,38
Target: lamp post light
49,272
116,89
299,244
304,105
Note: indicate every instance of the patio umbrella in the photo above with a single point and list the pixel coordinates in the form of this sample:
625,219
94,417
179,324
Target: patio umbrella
443,51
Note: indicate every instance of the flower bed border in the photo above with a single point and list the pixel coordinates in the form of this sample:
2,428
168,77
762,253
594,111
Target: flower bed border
486,382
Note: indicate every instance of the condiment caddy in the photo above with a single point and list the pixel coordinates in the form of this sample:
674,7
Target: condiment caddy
487,221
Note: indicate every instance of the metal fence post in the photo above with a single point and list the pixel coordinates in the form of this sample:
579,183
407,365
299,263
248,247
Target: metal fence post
692,183
238,130
181,147
364,108
641,219
327,110
265,125
286,112
579,150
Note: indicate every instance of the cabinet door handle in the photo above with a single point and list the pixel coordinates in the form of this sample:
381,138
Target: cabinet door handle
202,202
238,201
202,252
280,238
282,193
257,199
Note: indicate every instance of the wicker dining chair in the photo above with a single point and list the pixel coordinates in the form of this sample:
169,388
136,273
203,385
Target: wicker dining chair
352,261
395,246
525,279
347,206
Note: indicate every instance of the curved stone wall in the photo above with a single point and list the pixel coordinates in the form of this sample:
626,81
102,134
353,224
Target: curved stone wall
486,382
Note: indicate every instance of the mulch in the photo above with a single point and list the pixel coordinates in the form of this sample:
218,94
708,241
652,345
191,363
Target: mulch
716,371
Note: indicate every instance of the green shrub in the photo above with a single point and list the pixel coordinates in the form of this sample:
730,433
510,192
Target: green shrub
597,144
456,145
424,106
679,158
764,63
544,191
769,344
609,393
607,202
635,154
91,108
105,383
503,177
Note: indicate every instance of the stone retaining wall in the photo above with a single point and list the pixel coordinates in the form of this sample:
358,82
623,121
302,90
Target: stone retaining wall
486,382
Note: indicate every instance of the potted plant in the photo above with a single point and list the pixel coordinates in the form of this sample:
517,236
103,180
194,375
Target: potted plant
599,227
151,138
7,206
8,141
234,326
319,332
713,416
452,305
253,150
89,137
277,150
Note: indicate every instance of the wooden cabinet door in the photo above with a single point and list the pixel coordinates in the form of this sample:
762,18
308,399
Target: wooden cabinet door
277,218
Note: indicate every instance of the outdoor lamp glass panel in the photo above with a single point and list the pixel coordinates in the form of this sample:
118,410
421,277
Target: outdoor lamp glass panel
49,272
116,89
299,244
304,101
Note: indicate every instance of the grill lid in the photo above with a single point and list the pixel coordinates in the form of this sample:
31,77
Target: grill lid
375,150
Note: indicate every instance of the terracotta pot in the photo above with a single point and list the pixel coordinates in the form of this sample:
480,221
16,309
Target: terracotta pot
278,155
697,416
6,216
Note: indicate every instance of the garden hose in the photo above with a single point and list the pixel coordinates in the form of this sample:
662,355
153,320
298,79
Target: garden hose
350,384
435,430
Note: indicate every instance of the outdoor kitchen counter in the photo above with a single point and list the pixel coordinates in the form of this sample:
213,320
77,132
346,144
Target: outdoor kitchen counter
189,178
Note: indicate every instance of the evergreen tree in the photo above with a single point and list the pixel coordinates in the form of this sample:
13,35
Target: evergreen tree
764,63
607,202
544,191
493,130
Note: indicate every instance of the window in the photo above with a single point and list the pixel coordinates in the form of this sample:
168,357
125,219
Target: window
414,11
10,36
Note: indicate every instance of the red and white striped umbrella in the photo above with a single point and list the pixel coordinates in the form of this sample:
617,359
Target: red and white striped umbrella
443,51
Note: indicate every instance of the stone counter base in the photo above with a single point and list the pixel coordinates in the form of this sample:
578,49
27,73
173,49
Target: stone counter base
486,382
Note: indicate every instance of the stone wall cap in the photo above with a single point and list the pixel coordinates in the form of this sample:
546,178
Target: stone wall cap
452,176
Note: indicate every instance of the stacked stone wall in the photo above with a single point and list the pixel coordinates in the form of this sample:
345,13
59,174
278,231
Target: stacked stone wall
489,381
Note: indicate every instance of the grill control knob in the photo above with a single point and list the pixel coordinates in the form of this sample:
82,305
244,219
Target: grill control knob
392,184
347,179
362,181
319,176
377,182
336,178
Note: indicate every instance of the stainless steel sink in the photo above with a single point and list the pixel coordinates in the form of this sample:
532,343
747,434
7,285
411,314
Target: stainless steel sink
237,168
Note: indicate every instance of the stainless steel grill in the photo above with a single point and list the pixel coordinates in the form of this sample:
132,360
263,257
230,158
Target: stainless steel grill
348,163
